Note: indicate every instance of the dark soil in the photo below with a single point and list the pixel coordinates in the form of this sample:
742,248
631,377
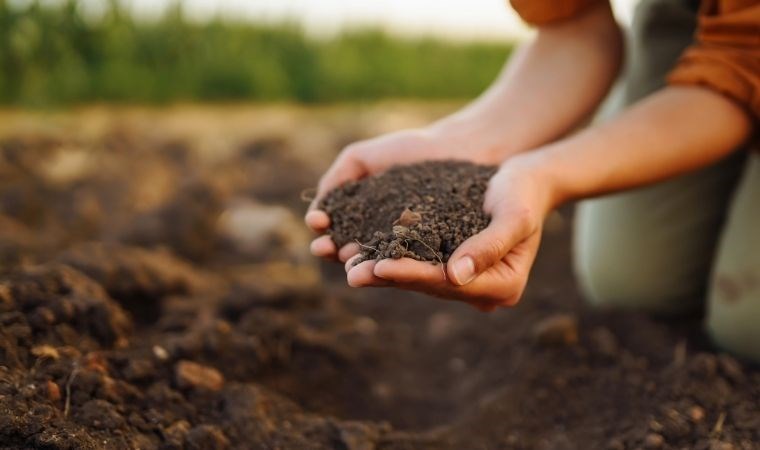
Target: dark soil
117,333
422,211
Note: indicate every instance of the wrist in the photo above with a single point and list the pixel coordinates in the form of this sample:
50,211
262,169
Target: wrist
538,167
471,137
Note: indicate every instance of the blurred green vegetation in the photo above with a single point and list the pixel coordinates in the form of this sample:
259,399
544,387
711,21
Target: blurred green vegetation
60,54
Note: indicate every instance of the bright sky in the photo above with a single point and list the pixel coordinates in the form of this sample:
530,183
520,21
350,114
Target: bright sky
469,19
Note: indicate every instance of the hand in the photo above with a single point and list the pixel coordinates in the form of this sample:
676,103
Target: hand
491,268
502,121
376,155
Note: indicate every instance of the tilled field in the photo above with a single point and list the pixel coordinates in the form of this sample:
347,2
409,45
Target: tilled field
156,292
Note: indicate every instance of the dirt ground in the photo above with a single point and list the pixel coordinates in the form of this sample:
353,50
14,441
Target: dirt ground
156,292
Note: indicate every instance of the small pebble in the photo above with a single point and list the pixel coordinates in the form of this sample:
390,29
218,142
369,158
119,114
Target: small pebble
176,432
206,437
366,326
440,326
28,391
654,441
409,218
5,294
53,391
95,362
45,351
604,342
718,445
615,444
139,369
223,327
557,330
696,414
357,436
160,353
193,375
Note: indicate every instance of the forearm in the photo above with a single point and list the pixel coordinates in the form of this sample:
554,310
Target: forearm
677,130
549,87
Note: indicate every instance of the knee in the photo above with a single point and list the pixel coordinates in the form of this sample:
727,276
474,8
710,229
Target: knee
622,286
739,339
733,320
626,276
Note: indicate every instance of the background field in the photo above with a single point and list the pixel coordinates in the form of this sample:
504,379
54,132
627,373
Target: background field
59,54
124,230
157,291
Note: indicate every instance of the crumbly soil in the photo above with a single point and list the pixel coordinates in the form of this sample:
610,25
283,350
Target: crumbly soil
422,211
180,310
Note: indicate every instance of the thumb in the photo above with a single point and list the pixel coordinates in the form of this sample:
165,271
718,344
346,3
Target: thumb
488,247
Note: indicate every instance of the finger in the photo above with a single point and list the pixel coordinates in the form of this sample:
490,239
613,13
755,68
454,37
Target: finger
348,251
408,271
362,275
503,283
497,286
431,284
317,220
323,247
432,279
351,262
486,248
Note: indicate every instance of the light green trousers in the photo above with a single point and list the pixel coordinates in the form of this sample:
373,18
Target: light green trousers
668,247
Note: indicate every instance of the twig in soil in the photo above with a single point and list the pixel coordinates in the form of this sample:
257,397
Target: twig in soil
67,404
406,243
435,253
718,428
36,364
366,246
308,195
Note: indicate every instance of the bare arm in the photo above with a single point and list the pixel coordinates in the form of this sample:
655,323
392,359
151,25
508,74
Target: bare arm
550,86
674,131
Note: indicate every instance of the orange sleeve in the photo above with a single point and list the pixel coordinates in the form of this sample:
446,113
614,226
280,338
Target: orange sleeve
726,54
544,12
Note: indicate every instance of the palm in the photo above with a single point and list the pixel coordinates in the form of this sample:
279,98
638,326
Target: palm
501,284
488,270
364,159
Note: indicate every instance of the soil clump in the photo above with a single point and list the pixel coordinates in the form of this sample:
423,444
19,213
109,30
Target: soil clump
422,211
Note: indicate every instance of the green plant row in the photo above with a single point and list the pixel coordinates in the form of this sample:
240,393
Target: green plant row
63,54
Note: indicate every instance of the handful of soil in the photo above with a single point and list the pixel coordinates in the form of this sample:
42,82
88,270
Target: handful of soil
422,211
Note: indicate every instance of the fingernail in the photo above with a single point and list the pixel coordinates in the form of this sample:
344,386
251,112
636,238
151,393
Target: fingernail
464,270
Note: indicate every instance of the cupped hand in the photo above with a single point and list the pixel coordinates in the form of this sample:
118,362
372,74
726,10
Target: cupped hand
373,156
489,269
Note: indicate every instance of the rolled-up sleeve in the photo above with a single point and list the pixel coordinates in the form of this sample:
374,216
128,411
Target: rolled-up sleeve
726,54
545,12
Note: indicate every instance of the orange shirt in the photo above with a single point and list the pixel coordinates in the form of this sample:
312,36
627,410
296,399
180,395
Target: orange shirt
725,55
